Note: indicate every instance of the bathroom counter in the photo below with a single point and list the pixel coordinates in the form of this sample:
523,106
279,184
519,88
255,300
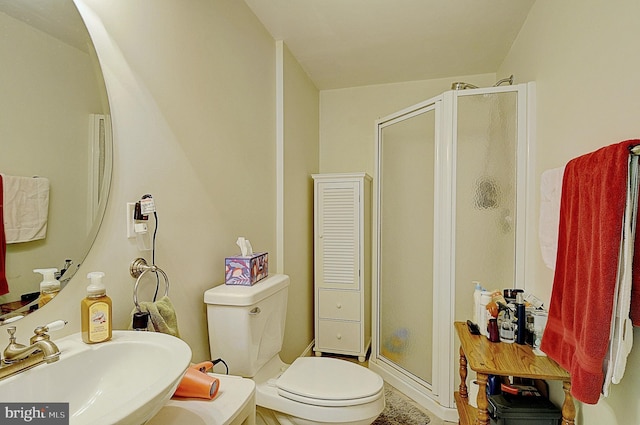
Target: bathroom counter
502,359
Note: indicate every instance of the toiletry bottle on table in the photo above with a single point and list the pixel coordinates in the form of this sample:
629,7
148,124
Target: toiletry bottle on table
95,311
49,287
521,319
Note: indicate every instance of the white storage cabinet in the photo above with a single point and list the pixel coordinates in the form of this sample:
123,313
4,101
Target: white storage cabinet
342,264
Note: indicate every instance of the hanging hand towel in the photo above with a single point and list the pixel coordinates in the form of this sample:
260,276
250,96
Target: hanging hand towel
162,316
4,285
26,208
592,206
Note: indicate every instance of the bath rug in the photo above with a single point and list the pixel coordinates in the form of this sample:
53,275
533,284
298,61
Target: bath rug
400,410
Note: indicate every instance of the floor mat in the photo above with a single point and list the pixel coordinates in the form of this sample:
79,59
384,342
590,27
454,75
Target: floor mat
399,410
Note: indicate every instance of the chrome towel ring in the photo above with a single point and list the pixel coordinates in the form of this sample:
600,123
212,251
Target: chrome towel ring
137,269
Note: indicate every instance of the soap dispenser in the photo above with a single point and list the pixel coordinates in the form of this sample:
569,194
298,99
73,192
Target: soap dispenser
49,287
96,311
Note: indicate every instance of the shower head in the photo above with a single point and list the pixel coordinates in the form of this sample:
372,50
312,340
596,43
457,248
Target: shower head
461,86
504,80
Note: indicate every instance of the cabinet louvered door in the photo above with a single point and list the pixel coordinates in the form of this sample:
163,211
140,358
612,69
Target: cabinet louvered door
338,249
342,278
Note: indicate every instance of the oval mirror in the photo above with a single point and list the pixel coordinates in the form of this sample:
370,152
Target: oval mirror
55,130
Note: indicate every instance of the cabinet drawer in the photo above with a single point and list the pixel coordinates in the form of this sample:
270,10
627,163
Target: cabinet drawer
344,305
342,336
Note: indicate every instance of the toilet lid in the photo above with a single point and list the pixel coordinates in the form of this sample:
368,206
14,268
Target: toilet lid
324,381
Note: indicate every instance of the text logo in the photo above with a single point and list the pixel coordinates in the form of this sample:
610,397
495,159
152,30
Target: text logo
34,413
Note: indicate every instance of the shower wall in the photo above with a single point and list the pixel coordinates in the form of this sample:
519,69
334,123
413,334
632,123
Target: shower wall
451,183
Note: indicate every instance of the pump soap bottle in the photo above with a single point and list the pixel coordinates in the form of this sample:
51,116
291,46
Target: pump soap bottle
49,287
95,311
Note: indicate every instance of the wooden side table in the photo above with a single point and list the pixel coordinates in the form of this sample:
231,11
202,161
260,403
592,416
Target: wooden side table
502,359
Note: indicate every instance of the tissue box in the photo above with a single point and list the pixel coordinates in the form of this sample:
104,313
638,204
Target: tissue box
246,270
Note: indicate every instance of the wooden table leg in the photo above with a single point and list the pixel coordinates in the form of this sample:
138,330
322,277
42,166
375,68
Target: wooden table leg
462,389
568,407
483,402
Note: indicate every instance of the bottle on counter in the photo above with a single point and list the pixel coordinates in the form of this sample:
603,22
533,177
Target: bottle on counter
95,311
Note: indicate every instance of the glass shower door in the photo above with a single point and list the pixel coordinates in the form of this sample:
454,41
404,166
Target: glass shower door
453,191
486,148
406,244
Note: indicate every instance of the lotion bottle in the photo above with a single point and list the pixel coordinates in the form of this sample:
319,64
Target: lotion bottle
49,287
95,311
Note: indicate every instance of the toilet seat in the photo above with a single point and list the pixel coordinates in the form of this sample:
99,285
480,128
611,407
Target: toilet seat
322,381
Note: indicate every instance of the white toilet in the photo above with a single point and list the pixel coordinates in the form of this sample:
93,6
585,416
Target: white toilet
246,329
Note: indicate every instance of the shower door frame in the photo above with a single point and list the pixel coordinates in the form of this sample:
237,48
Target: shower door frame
438,395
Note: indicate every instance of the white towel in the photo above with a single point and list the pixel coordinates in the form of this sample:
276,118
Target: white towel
26,208
550,192
621,341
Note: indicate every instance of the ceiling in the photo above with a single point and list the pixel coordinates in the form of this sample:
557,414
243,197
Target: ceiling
348,43
59,19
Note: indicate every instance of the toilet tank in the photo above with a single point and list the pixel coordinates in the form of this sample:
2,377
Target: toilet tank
246,323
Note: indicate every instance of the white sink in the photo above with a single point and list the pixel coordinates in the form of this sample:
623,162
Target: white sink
126,380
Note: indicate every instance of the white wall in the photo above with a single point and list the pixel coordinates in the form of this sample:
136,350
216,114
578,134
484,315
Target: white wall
584,58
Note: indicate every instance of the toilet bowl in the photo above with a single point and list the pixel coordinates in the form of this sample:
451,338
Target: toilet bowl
246,329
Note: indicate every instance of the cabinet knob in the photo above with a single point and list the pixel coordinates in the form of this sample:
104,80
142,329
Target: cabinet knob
338,305
339,336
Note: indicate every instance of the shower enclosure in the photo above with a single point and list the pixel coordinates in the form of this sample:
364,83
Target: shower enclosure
451,200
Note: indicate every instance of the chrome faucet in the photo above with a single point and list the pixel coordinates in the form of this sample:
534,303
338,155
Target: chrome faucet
17,357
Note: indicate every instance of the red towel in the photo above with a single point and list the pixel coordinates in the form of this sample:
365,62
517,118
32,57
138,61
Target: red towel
591,213
4,285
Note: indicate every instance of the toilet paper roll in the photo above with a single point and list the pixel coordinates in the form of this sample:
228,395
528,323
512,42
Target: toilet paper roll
473,393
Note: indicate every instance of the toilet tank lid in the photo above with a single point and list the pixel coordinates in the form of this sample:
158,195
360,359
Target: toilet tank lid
239,295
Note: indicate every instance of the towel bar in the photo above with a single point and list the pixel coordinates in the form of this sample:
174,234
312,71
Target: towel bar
137,269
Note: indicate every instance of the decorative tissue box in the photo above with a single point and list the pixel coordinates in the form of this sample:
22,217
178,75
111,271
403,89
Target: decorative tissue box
246,270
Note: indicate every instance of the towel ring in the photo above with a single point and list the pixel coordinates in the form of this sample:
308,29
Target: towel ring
137,269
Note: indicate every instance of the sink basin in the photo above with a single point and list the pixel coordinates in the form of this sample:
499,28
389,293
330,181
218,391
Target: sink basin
126,380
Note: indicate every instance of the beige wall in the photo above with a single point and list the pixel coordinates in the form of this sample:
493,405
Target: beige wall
300,130
584,58
347,118
193,105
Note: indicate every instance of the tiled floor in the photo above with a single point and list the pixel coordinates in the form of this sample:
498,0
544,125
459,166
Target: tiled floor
434,419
